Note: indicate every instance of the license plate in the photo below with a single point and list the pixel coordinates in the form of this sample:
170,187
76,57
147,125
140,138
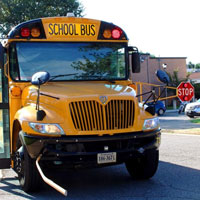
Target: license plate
103,158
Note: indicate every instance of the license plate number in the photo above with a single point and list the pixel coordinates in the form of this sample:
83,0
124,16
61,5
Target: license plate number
103,158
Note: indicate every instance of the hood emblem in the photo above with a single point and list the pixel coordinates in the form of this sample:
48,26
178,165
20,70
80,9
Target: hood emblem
103,99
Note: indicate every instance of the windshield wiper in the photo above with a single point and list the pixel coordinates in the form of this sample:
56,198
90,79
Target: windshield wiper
102,78
61,75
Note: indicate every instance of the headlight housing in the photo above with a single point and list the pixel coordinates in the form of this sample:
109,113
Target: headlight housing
53,129
150,124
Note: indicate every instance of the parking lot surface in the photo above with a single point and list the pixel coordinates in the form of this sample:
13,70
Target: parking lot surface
172,122
178,175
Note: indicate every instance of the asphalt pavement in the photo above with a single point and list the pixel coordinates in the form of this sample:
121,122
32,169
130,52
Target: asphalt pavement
172,122
178,175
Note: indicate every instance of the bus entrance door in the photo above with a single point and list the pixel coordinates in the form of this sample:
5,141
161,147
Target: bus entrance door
4,117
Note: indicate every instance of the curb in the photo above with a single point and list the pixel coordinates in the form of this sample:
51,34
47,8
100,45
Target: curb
171,111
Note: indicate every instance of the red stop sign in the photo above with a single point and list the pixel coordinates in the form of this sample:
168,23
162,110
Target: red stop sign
185,91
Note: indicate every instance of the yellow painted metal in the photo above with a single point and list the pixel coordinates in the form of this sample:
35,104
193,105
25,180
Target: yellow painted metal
79,29
75,99
140,87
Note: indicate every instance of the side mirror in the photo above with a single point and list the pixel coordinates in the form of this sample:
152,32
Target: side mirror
163,76
1,56
40,78
135,59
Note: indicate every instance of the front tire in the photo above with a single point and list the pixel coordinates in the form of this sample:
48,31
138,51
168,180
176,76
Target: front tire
144,167
25,167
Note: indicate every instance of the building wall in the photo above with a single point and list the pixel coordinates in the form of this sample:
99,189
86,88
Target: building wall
195,76
149,65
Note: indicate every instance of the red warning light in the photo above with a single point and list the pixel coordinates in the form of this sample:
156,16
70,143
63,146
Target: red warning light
185,85
185,98
116,33
25,32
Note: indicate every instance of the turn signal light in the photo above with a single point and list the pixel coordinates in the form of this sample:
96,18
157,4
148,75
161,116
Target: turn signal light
25,32
15,91
133,86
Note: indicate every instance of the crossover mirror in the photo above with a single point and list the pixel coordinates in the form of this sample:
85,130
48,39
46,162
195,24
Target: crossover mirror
40,78
163,76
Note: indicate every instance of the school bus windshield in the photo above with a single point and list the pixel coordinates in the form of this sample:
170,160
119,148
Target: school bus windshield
69,61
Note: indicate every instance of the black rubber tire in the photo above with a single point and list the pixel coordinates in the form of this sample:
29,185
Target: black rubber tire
191,116
161,112
144,167
29,177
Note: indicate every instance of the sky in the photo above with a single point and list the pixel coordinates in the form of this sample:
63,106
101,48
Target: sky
165,28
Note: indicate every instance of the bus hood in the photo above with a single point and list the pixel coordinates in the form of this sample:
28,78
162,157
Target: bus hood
64,103
76,91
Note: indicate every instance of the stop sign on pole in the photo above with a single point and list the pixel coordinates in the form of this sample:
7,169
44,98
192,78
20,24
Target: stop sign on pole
185,91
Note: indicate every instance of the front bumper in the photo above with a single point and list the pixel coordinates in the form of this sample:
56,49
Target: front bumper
82,151
192,113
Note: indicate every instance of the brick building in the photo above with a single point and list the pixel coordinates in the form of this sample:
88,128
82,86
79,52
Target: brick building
149,65
195,76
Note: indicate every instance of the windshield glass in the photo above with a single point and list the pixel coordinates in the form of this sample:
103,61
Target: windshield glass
69,61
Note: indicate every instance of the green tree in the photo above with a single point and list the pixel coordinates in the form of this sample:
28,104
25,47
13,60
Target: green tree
13,12
175,80
197,66
197,90
191,65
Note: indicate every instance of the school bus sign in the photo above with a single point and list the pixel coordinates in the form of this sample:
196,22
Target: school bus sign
185,91
70,29
78,29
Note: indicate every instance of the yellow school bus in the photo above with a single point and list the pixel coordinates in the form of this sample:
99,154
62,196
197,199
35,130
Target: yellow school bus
68,101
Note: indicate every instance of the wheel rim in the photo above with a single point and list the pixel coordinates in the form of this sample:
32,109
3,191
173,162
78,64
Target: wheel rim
161,112
19,162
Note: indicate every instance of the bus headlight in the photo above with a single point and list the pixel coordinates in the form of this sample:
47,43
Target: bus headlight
53,129
151,123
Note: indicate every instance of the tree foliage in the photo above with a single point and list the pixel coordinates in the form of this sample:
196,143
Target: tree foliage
197,90
175,80
191,65
197,66
13,12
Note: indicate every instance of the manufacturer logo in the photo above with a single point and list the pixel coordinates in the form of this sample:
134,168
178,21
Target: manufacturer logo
103,99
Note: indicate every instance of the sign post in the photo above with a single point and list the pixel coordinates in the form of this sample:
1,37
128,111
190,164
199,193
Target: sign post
185,91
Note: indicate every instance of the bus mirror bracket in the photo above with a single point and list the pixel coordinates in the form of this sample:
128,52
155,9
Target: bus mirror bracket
135,59
38,79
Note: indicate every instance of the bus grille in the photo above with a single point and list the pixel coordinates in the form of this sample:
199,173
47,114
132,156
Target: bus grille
92,116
